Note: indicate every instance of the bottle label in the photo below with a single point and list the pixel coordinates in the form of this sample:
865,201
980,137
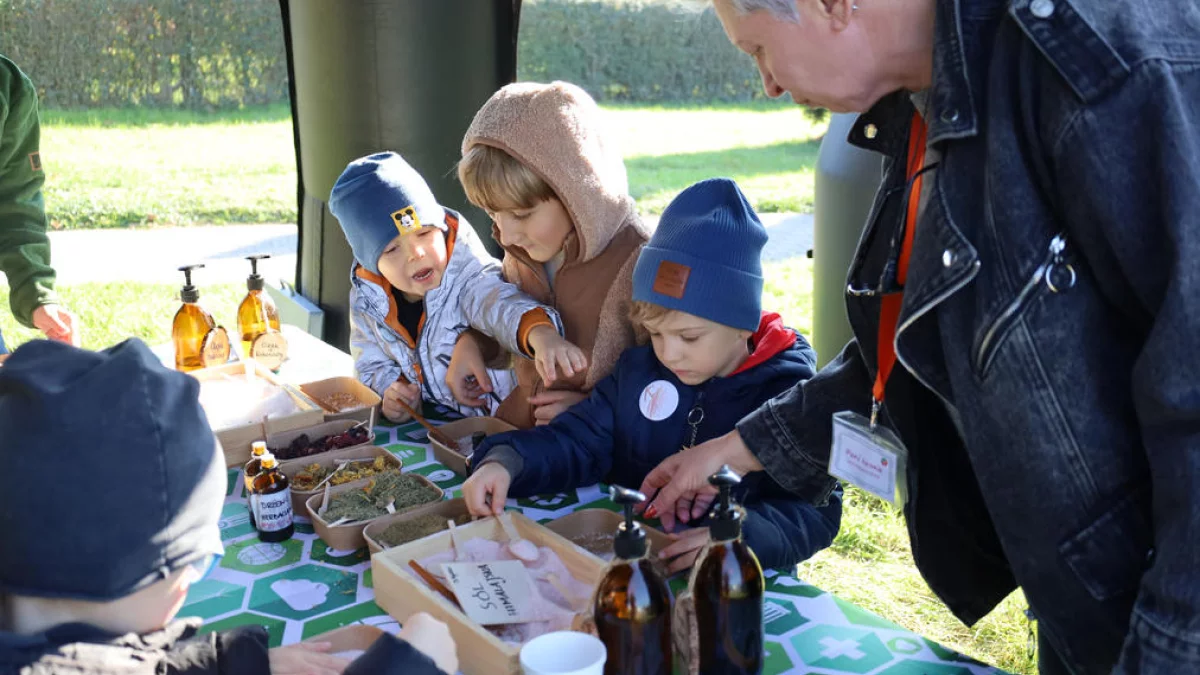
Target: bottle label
273,512
214,350
269,349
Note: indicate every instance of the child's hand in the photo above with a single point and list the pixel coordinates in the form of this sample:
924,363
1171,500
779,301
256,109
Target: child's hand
685,548
401,390
552,403
432,638
552,353
466,374
305,658
487,489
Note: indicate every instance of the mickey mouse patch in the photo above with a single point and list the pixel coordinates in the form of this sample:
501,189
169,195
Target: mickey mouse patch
406,220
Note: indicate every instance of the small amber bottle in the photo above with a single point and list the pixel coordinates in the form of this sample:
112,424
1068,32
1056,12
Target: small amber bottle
253,468
727,584
272,503
199,342
257,316
632,609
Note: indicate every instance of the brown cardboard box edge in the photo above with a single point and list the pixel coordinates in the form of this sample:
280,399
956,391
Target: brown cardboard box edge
236,440
590,521
320,388
401,594
350,537
346,638
457,429
446,507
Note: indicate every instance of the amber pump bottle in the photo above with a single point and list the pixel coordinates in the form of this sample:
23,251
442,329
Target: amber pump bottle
198,341
727,584
258,316
632,609
272,503
253,468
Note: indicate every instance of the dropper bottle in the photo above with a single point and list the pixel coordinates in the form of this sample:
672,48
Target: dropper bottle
199,342
727,585
257,316
632,609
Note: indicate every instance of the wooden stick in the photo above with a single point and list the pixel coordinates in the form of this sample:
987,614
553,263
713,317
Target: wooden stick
434,433
454,539
509,530
434,583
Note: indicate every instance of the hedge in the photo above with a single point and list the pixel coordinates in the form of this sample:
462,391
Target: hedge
204,54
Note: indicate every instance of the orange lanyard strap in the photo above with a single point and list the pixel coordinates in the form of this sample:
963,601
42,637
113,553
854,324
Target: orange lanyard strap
889,311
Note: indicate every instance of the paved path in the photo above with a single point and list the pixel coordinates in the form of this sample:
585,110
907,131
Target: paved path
152,255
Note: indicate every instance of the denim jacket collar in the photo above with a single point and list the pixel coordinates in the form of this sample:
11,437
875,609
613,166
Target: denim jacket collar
958,50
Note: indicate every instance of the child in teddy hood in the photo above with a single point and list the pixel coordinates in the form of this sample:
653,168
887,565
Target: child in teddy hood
537,158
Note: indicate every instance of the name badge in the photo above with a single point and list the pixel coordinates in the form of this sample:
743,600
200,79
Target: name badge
874,459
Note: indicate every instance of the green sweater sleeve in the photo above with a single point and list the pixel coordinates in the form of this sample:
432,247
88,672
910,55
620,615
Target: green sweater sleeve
24,246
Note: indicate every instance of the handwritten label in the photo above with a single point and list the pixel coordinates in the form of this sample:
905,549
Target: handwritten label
493,593
269,349
214,351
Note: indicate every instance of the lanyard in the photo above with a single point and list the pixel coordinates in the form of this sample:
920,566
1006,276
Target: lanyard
889,311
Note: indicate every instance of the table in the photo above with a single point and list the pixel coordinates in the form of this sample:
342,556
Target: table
301,588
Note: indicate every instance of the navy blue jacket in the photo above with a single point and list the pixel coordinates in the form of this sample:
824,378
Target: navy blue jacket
607,438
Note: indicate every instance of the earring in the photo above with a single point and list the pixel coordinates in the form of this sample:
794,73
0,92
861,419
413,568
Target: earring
854,8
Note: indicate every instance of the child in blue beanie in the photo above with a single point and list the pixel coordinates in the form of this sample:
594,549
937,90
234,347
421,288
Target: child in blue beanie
714,357
421,279
110,499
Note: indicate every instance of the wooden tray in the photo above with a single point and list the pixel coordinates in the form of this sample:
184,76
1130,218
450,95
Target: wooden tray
450,457
350,537
329,460
344,385
401,593
448,508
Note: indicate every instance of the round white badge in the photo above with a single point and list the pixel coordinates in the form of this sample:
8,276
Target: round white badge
659,400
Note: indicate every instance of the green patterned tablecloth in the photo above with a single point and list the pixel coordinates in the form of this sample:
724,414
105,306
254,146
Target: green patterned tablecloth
301,588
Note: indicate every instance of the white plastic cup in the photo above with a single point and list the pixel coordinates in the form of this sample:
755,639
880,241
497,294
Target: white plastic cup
564,653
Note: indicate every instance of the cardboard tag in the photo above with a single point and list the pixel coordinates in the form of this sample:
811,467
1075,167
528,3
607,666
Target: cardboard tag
493,593
671,279
269,349
870,458
214,350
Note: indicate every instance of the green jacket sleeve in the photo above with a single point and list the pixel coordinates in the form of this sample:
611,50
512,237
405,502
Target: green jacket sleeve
24,246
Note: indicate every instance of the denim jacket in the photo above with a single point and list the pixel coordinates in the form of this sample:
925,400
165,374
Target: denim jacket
1049,337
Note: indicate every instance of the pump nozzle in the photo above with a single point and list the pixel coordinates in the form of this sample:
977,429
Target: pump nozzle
630,542
189,293
727,519
255,281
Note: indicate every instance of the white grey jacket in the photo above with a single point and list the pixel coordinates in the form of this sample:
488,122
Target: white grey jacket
472,293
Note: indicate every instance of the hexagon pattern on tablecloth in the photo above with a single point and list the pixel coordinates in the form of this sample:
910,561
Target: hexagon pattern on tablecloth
301,588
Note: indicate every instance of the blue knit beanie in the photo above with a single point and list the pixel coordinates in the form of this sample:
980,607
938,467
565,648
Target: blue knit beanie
704,257
112,478
379,197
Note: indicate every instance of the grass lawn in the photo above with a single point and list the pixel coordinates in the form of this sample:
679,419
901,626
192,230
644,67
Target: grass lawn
109,168
869,564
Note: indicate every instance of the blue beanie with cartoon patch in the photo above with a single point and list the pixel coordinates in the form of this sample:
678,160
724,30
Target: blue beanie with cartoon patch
705,256
376,199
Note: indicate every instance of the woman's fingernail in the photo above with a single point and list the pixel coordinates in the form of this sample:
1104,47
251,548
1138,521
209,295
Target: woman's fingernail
652,511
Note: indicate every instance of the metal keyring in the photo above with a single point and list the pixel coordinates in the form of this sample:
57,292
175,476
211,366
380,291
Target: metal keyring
695,416
1054,288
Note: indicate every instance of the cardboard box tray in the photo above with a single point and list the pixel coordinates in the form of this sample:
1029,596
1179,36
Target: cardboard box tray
451,457
236,440
350,537
320,390
330,460
594,522
401,593
447,509
316,431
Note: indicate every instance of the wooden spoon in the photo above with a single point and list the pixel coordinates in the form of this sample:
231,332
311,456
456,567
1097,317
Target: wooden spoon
434,433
